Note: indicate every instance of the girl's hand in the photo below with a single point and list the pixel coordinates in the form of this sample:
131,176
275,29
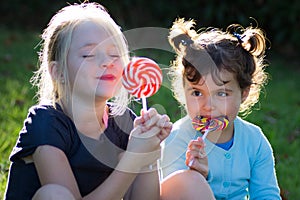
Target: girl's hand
163,122
151,118
149,130
196,157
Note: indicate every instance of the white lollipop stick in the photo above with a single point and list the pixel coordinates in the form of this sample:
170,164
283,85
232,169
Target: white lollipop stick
203,138
144,103
205,134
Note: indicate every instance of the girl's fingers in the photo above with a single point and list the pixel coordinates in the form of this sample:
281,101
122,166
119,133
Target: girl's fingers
150,117
138,121
163,121
195,154
198,161
190,158
151,120
164,132
148,113
195,145
198,142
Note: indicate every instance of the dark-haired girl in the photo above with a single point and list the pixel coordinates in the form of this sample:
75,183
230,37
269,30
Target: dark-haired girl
218,73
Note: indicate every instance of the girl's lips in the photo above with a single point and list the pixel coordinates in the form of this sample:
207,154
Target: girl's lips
107,77
208,116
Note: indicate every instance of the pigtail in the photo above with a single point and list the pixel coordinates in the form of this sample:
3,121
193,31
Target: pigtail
251,39
181,34
181,39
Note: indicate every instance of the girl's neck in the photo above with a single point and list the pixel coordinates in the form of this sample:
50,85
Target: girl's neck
90,119
221,137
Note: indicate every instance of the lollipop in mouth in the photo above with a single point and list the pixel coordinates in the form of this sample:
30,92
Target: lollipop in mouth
206,125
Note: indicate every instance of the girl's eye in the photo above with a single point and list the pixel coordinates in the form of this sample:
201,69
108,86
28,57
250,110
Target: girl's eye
115,55
222,94
88,56
196,93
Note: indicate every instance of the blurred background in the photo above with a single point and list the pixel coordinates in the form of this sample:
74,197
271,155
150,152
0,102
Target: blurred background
280,19
22,22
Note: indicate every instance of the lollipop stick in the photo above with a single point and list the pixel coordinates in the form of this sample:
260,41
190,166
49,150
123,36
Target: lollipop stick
205,134
203,138
191,162
144,102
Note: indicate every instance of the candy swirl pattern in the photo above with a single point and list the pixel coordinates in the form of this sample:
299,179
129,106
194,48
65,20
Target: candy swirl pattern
204,124
142,77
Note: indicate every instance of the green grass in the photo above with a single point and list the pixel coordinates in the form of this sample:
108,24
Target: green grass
279,118
17,60
278,112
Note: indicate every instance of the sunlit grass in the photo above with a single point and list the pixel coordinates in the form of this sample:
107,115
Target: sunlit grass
17,60
279,117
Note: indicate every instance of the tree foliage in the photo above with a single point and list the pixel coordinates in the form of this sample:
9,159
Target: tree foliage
280,19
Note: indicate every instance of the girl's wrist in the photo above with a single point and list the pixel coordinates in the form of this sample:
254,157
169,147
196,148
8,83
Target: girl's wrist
128,164
131,162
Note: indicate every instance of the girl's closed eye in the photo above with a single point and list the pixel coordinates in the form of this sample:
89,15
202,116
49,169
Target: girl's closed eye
113,52
115,55
88,55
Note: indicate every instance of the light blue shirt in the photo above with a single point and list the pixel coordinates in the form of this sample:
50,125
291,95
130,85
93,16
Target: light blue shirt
245,171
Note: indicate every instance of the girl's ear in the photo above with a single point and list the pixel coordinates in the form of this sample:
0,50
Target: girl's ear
53,70
245,93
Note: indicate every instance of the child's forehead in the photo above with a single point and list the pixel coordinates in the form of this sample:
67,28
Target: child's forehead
93,34
217,77
226,75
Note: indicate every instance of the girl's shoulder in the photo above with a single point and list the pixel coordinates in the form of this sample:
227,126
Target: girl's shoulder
48,116
184,122
182,130
248,132
46,110
45,125
242,124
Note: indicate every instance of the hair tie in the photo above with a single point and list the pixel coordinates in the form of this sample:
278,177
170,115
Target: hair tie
239,38
187,42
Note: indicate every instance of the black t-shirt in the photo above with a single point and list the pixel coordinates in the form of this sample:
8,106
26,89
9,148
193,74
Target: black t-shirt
92,161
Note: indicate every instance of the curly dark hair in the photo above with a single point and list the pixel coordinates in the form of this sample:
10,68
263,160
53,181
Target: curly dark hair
237,50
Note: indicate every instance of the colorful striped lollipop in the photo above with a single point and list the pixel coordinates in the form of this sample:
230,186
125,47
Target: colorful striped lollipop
206,125
142,78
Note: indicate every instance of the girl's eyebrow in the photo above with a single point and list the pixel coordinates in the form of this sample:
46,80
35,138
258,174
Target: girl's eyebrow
226,82
94,45
190,88
193,87
88,45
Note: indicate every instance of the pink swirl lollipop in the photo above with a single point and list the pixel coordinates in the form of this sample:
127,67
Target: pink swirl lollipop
206,125
142,78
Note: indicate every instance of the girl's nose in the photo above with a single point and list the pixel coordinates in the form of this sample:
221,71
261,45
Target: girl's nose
208,104
108,61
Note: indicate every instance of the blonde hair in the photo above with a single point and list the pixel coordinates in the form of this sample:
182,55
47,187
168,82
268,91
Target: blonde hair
238,50
56,40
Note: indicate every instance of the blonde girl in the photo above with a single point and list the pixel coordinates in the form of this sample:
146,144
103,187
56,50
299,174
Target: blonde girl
81,141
